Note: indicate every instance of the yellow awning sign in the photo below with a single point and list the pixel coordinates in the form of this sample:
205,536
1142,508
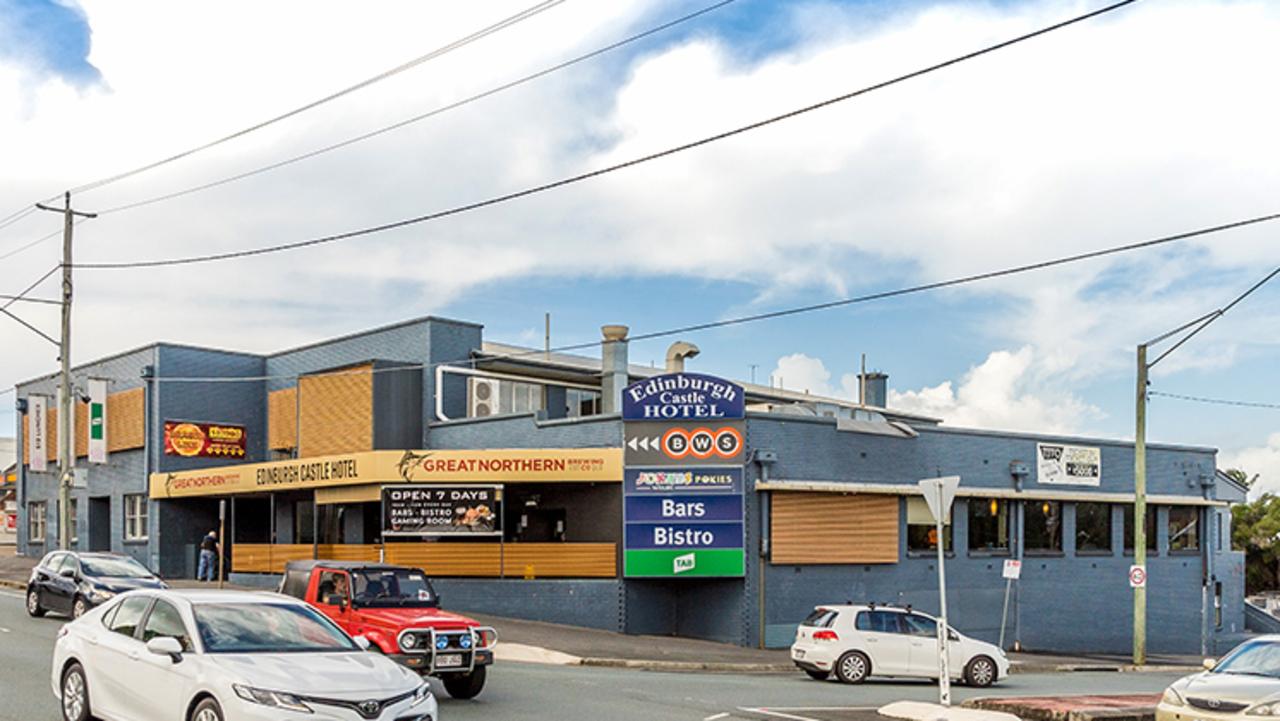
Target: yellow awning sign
427,466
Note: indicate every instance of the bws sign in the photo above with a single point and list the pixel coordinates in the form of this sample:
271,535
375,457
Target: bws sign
682,396
665,444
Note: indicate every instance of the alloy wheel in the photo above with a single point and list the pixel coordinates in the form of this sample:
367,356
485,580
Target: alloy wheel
79,609
853,668
207,714
33,601
73,695
982,672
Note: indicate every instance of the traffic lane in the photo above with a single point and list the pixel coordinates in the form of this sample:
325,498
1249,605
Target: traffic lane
26,645
572,693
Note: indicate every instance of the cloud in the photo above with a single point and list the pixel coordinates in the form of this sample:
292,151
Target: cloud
1264,461
800,372
1004,392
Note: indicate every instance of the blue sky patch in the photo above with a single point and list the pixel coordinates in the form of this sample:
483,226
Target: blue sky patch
51,39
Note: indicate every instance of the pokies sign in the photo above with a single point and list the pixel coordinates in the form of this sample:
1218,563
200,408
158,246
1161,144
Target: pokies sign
683,397
203,440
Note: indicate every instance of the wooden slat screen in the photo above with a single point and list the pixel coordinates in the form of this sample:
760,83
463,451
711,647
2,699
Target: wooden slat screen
336,412
478,560
282,419
822,528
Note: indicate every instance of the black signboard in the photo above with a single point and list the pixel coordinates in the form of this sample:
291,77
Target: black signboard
435,510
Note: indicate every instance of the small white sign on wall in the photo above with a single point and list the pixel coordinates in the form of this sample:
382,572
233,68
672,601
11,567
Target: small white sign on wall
1063,465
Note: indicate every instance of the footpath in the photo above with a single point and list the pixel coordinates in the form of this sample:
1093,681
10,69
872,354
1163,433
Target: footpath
537,642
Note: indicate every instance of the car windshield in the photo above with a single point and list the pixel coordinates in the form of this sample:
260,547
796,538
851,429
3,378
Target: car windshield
113,567
393,587
1257,658
267,628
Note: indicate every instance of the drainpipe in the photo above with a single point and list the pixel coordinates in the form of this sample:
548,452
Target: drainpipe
148,421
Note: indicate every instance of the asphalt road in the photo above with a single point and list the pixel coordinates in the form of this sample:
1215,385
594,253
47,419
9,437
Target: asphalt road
527,691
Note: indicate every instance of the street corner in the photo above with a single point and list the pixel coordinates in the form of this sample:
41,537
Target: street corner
522,653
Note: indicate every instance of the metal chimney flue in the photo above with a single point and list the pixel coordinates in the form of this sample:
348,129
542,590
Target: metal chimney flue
875,387
678,353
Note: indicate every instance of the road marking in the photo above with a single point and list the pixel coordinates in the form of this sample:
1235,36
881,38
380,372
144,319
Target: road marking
11,594
4,630
717,716
777,714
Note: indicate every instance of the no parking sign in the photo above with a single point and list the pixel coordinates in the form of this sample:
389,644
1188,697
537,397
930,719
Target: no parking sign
1138,576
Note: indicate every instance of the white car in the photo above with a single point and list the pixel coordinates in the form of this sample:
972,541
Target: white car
858,641
225,656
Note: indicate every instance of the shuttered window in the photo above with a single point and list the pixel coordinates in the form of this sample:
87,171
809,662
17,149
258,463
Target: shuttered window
818,528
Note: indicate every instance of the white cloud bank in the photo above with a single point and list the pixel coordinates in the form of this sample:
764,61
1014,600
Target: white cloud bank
1263,461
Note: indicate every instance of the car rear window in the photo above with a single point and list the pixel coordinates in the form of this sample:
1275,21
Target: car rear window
820,618
879,621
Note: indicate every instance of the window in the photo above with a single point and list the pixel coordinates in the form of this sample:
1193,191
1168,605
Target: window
304,520
1150,529
165,621
125,621
581,403
135,517
922,530
36,522
1044,527
1093,528
69,563
988,525
1184,534
820,618
879,621
492,397
268,628
921,626
333,583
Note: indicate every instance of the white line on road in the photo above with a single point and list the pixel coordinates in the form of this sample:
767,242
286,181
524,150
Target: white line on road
776,714
717,716
10,594
2,628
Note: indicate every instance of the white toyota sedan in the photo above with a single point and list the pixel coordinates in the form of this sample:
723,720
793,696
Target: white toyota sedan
225,656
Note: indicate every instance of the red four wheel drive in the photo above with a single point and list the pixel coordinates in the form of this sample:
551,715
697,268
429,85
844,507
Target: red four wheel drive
398,611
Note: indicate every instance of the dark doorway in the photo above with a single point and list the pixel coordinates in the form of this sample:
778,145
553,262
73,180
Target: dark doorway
100,523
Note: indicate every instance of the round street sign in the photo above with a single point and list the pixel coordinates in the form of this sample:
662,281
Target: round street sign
1138,576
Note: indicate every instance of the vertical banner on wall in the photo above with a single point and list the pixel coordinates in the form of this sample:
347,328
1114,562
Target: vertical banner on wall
38,432
97,421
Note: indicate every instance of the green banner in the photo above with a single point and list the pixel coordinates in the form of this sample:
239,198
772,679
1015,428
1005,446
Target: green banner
95,421
721,562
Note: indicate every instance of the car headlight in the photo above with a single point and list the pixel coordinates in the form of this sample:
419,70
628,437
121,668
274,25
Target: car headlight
1270,708
409,640
275,699
1173,698
421,694
99,594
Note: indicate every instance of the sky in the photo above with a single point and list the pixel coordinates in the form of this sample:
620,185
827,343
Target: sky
1152,120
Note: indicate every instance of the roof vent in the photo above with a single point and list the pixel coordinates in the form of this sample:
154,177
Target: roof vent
677,353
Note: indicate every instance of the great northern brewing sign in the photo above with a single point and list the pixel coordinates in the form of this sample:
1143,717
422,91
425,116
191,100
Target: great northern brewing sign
684,447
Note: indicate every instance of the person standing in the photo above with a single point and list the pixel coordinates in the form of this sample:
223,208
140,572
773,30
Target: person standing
208,569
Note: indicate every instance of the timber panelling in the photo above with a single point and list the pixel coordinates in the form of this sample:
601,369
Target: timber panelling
825,528
336,412
125,426
282,419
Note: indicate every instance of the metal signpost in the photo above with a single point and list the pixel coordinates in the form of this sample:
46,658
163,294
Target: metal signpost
939,493
1012,572
222,537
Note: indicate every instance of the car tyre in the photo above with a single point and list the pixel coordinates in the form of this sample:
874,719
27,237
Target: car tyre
207,710
817,675
853,667
981,672
79,608
465,685
75,694
33,603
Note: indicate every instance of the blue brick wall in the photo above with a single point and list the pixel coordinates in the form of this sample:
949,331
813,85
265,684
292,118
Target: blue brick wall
593,604
525,431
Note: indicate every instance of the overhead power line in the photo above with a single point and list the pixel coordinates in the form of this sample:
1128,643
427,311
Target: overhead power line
617,166
23,295
1205,320
856,300
1217,401
456,44
16,216
423,116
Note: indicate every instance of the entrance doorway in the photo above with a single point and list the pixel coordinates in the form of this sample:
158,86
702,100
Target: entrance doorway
100,523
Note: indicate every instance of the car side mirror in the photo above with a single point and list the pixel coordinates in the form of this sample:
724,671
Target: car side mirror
166,646
953,636
362,642
67,573
1210,664
334,599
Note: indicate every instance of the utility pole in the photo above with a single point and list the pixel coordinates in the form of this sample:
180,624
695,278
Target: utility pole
66,434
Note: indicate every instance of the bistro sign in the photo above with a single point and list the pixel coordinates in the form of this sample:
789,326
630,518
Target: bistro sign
441,510
682,396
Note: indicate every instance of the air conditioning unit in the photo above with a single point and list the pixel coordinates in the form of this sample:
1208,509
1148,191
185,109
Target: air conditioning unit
483,397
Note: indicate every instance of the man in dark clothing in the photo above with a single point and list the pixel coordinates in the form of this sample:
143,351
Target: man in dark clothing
208,568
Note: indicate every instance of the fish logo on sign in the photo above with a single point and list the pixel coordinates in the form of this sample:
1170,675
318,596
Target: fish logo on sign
685,563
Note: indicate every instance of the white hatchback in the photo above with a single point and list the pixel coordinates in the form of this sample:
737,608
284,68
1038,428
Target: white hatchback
224,655
858,641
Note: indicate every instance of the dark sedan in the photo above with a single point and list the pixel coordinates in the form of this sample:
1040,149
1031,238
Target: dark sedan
72,583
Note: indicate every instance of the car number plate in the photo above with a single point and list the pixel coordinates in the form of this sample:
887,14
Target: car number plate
452,659
799,653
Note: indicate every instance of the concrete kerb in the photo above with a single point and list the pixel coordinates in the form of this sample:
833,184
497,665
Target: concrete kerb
917,711
19,585
1033,709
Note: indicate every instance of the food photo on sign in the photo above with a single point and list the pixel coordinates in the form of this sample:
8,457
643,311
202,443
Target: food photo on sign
217,440
441,510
